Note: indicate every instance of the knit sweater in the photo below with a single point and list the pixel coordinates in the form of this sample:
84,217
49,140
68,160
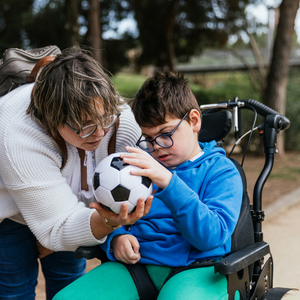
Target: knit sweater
31,181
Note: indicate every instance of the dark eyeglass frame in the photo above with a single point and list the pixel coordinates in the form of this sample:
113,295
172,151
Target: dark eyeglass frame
169,135
91,125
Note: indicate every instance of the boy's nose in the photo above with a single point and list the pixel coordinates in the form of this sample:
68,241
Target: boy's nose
156,146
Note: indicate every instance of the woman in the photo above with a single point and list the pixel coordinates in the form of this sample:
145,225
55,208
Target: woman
53,133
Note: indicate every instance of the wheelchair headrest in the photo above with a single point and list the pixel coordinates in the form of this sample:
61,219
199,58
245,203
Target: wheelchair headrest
215,126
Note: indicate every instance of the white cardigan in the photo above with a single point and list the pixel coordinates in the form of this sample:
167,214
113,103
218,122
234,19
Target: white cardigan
31,182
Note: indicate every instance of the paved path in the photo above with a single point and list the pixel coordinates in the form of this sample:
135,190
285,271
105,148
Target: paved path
281,230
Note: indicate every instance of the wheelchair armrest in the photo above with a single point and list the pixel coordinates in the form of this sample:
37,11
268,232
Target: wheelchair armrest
239,260
91,252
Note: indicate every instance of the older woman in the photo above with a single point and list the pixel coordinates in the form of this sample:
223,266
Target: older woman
53,133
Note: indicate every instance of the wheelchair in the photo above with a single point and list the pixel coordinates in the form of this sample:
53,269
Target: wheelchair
249,266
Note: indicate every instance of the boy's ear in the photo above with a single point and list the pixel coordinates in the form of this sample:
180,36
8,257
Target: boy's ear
195,118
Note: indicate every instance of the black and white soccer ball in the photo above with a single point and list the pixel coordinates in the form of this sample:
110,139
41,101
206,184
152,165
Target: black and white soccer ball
114,185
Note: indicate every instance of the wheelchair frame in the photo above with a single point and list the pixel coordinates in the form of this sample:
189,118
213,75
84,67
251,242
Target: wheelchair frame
238,266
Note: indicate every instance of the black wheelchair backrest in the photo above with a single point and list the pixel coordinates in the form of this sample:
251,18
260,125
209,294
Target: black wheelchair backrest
243,234
215,126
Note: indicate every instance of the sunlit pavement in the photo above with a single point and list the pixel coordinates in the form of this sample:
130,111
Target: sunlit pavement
281,230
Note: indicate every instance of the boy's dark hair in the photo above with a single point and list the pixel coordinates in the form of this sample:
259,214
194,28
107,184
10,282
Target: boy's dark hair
163,94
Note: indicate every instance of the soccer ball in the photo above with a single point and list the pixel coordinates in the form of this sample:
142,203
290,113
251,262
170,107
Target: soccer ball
114,185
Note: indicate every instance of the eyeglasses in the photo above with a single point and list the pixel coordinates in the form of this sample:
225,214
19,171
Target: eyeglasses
164,140
86,131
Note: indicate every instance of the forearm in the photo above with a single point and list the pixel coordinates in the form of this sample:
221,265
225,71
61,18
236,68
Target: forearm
98,227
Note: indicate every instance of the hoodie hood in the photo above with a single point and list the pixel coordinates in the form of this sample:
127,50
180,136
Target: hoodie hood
209,151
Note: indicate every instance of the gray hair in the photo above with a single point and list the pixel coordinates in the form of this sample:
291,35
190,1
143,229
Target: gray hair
70,89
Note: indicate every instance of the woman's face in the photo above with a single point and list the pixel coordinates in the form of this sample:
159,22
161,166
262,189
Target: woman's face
90,143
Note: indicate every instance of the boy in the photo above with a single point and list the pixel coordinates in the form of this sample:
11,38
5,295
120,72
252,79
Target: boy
195,209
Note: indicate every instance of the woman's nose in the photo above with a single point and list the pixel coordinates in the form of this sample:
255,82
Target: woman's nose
99,131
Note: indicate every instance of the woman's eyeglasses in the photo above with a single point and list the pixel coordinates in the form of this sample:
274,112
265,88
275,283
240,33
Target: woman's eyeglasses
164,140
88,130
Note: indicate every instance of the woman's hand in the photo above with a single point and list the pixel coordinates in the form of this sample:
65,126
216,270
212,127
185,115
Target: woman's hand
124,218
149,166
126,248
42,251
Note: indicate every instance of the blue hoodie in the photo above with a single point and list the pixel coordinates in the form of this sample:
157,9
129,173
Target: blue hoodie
194,217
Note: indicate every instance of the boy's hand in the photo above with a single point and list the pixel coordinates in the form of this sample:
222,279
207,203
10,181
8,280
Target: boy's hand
149,166
126,248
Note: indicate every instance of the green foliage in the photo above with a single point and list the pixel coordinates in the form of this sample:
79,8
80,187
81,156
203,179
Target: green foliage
13,16
225,86
221,86
292,135
218,87
25,25
50,21
164,27
287,173
185,26
128,84
114,55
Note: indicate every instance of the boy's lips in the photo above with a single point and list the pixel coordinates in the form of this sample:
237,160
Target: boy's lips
163,157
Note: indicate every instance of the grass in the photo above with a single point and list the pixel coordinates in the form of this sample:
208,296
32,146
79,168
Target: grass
207,88
287,173
128,84
284,178
214,87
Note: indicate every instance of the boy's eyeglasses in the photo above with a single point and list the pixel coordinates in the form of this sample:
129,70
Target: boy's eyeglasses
164,140
87,131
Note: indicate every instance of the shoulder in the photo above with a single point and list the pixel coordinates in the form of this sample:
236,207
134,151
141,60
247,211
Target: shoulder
128,131
14,104
127,117
223,173
214,164
26,149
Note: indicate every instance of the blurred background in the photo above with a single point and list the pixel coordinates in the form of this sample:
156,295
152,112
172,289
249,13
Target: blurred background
226,48
248,49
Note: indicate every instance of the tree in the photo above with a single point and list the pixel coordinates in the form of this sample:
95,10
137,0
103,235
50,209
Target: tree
95,29
181,28
49,25
275,93
12,22
71,23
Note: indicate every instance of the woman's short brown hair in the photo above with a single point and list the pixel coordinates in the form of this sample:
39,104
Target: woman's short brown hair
69,88
163,94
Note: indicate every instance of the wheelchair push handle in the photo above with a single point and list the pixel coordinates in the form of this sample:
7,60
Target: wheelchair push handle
280,122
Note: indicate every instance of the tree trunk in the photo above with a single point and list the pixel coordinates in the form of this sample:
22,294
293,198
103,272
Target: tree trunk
71,25
169,32
95,30
275,95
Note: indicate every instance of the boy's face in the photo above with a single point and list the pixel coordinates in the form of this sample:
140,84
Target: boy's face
185,139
